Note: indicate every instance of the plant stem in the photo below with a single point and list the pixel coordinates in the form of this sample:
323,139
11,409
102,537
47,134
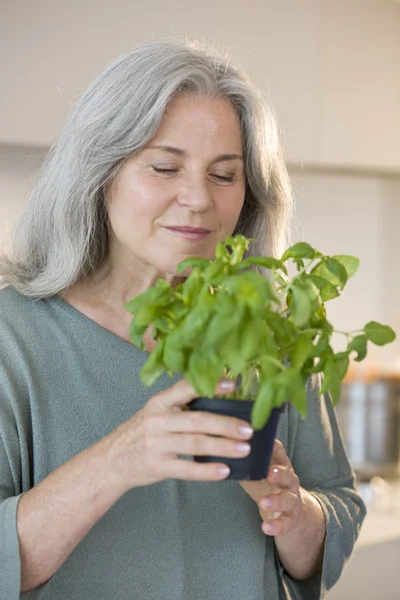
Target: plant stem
287,287
275,362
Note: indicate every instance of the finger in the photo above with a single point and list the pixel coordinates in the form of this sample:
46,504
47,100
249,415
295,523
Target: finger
283,502
202,445
279,456
207,423
181,393
192,471
283,477
279,526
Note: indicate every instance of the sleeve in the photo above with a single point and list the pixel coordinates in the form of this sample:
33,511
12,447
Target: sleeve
10,566
318,456
14,478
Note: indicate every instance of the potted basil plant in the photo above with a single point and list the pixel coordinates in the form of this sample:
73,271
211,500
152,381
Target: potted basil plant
248,320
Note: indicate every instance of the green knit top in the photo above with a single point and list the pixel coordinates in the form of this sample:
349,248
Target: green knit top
66,382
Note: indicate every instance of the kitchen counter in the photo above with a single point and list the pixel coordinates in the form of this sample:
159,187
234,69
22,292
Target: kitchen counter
379,529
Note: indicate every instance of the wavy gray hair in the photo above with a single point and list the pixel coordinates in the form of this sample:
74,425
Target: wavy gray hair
62,233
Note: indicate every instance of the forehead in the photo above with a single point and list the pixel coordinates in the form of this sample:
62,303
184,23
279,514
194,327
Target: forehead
194,117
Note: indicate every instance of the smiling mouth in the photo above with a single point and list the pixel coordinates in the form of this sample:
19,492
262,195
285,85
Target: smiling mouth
190,229
190,233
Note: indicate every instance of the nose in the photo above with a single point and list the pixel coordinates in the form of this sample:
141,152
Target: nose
196,193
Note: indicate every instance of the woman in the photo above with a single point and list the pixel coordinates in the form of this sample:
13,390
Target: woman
169,151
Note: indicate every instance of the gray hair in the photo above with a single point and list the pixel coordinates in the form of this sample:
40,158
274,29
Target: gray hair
62,232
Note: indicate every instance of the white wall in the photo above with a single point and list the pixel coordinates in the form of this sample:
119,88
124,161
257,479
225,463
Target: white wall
360,215
18,168
330,66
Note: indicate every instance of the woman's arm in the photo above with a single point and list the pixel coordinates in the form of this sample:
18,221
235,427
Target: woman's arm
318,457
290,514
311,489
54,516
301,551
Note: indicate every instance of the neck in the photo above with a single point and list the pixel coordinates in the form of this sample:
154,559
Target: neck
102,296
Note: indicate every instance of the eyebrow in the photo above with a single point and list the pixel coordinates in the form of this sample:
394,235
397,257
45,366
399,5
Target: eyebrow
180,152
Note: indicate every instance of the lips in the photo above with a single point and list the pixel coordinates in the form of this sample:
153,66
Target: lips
191,234
190,229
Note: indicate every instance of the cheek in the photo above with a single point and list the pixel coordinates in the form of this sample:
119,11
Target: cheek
229,207
138,204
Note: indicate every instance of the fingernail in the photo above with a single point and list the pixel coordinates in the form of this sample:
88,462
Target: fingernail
227,384
223,470
275,474
246,431
266,503
269,528
243,448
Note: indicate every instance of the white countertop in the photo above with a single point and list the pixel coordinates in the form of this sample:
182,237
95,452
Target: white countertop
382,523
378,529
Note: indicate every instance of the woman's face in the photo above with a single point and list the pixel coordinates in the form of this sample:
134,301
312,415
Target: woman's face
190,175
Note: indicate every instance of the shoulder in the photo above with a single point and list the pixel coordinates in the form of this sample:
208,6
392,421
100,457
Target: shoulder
24,322
11,300
16,309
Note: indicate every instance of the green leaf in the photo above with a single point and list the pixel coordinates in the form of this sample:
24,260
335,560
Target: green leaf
268,262
302,350
268,367
163,325
300,250
160,294
154,366
322,346
250,337
379,334
269,341
338,271
359,344
331,270
191,287
291,386
227,318
174,355
214,272
147,314
200,263
263,405
342,364
249,288
301,305
204,371
236,246
299,264
298,397
332,381
326,289
319,320
350,263
284,329
193,326
136,333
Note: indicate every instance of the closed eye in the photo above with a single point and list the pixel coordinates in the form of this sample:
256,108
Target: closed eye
163,170
166,171
227,178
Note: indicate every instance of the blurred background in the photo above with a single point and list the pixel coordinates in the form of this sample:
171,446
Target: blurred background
331,70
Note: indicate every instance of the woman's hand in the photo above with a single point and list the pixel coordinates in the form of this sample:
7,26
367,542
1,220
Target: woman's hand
291,514
279,497
144,450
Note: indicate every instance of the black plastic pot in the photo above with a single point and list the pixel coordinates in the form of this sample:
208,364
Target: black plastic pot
255,465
